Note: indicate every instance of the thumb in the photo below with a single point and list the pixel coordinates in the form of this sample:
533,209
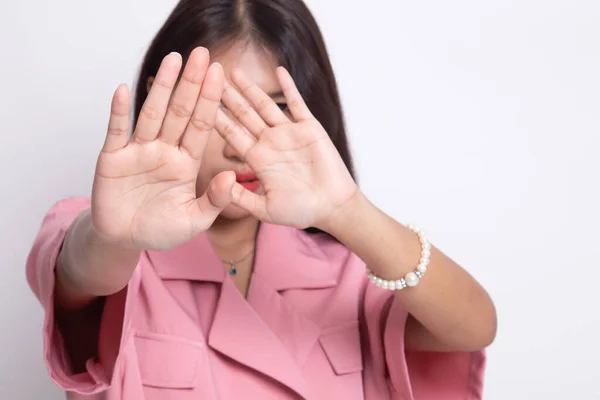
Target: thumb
214,200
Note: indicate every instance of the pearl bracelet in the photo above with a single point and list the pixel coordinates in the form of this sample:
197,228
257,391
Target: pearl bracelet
412,278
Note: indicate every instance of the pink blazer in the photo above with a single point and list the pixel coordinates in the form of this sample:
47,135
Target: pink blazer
312,327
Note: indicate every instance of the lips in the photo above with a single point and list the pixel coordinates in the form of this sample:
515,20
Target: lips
247,179
245,176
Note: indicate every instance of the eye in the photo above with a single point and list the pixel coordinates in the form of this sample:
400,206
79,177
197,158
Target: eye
282,106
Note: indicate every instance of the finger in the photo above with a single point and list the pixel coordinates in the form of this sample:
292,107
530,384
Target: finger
294,99
202,123
243,111
254,203
263,105
234,135
117,135
181,107
153,111
210,204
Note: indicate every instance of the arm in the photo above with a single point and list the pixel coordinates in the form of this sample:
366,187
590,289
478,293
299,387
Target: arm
143,197
449,310
306,183
89,267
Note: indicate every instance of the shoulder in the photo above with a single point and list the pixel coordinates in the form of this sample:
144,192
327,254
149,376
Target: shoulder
325,243
69,206
63,212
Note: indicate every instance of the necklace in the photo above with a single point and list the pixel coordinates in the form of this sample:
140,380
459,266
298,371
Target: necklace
232,268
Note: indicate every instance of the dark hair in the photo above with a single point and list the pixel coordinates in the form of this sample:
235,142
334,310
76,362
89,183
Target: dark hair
286,28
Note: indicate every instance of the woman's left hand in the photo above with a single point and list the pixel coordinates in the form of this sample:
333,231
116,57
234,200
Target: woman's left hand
304,179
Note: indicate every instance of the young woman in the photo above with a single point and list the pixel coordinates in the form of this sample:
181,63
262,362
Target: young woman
226,251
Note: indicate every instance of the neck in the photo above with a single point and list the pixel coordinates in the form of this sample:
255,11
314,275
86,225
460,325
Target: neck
233,238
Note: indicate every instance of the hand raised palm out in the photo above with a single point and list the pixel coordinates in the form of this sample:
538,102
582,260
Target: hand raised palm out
304,178
144,191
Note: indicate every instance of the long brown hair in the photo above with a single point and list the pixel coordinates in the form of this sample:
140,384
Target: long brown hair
286,28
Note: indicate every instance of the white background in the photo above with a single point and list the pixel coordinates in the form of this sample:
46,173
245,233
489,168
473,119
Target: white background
479,121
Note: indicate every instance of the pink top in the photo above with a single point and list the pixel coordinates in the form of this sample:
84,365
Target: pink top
311,327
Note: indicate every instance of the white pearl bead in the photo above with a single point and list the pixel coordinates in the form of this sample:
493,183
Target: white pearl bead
411,279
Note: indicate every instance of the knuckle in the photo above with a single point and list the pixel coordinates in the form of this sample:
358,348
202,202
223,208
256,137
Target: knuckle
116,131
201,124
242,111
161,83
295,104
228,129
195,79
151,113
180,111
263,104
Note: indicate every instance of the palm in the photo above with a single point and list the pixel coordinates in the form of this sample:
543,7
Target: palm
298,166
303,176
144,193
143,190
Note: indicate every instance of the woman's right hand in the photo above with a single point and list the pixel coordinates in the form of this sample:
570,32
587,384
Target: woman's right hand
144,192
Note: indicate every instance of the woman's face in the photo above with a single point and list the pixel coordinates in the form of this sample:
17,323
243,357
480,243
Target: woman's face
260,66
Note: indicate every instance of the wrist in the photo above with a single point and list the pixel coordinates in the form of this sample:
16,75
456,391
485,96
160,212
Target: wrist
93,264
94,237
348,216
372,235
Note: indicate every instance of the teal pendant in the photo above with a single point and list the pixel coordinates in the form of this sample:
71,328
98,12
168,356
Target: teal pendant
233,270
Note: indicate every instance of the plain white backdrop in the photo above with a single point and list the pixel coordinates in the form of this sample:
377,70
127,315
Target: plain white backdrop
479,121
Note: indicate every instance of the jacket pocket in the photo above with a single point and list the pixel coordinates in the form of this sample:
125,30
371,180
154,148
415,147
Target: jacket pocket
167,361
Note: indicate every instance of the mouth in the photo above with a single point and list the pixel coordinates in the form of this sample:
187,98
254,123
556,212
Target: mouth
247,180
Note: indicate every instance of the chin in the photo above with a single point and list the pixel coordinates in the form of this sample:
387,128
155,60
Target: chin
233,212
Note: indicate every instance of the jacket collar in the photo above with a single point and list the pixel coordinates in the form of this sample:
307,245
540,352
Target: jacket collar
286,258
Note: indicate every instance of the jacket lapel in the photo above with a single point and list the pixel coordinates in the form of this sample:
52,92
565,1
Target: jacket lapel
294,330
239,333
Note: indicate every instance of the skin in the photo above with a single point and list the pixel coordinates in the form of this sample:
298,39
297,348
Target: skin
172,180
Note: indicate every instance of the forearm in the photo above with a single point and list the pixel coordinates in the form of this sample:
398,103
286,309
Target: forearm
448,302
89,267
